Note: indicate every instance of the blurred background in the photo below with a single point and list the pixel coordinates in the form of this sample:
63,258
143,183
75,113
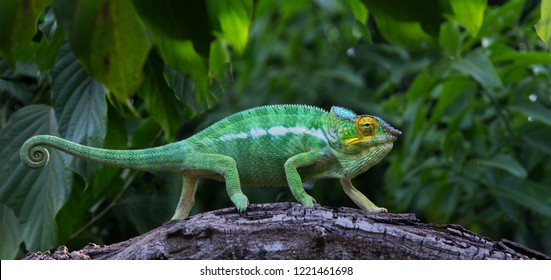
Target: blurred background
467,82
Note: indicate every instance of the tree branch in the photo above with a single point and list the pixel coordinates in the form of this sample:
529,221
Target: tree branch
291,231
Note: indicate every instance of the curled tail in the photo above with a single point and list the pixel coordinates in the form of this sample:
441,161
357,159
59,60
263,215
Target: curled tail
167,158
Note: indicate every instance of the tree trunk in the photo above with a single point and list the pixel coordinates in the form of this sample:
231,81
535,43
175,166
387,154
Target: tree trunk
291,231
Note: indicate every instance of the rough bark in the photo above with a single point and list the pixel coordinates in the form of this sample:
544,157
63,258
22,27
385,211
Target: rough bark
291,231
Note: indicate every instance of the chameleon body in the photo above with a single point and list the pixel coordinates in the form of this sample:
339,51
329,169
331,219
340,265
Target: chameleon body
275,145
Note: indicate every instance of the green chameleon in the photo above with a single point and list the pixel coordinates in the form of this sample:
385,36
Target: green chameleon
264,146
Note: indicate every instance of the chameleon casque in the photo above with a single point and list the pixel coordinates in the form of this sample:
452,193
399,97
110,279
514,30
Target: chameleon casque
274,145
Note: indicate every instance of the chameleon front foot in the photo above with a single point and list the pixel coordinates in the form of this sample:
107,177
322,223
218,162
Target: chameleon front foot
240,201
307,201
377,210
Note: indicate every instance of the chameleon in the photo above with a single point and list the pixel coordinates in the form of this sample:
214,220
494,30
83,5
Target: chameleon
274,145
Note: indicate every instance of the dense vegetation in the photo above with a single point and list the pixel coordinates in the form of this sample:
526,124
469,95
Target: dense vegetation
468,83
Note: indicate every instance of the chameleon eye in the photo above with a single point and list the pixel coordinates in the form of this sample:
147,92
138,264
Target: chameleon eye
365,126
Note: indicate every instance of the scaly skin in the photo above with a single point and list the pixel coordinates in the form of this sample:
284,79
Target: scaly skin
264,146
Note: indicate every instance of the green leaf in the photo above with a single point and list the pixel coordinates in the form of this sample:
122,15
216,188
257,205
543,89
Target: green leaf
532,196
179,21
470,14
524,58
80,107
538,136
182,56
450,39
543,27
16,89
505,162
159,99
403,33
51,41
447,92
359,10
18,24
427,13
234,19
112,43
35,196
535,110
477,64
10,233
219,58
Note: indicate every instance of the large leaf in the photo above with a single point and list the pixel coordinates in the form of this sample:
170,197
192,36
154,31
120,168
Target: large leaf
10,233
80,107
112,43
34,195
18,25
534,110
478,65
428,13
532,196
470,14
507,163
409,34
52,39
182,56
159,99
178,20
16,89
543,27
359,10
538,137
234,19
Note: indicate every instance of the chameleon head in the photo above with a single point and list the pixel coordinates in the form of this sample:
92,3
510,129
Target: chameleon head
360,132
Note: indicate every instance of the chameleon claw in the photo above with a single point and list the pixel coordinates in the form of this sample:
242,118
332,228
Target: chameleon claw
377,210
308,201
240,201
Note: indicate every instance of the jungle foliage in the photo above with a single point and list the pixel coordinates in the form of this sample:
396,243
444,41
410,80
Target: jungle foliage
467,82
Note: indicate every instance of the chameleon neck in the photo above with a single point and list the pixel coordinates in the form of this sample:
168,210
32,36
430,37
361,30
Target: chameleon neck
168,158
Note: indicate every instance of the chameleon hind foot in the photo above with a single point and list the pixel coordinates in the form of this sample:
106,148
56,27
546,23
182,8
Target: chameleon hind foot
307,201
240,201
378,210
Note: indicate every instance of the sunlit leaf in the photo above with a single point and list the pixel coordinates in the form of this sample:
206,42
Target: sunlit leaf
359,10
470,14
543,27
234,19
34,195
219,58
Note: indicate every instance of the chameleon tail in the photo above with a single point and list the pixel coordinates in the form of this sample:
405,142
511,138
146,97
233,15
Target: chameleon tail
167,158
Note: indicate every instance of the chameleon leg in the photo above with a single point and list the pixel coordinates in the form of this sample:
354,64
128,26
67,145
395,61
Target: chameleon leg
187,198
293,178
361,200
225,166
